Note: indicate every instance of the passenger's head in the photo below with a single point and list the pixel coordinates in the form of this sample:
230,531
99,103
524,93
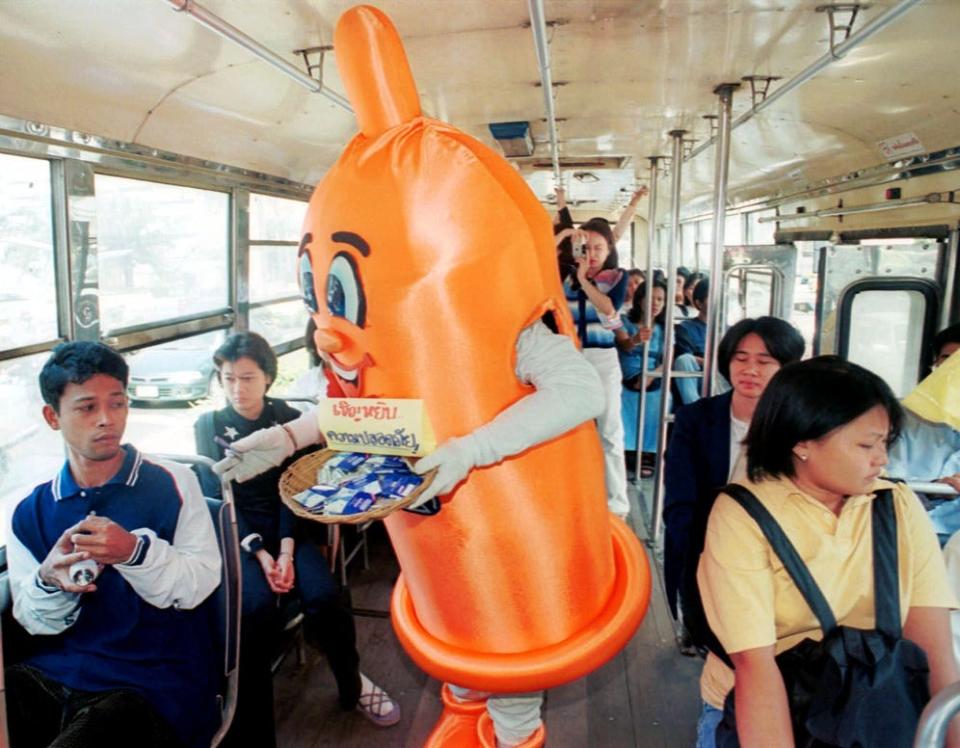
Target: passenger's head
658,303
700,292
755,349
84,388
682,275
634,279
601,246
945,343
826,423
247,367
689,285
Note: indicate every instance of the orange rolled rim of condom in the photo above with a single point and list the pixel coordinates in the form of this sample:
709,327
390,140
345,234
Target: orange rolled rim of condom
551,666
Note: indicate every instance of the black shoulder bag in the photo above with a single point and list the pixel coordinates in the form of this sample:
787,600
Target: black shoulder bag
854,687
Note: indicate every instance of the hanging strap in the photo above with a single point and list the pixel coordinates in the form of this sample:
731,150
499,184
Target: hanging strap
886,589
784,549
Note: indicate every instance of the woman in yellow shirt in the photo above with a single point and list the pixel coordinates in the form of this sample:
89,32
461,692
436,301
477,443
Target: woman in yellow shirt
816,447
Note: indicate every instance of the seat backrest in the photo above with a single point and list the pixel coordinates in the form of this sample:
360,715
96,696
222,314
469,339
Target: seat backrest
224,604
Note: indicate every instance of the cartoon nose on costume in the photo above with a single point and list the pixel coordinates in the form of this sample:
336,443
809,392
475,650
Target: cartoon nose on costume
329,341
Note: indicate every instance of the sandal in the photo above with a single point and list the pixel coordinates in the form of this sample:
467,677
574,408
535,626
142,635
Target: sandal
376,705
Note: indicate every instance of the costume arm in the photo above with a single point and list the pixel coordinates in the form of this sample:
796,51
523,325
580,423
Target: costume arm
183,573
268,448
38,608
568,392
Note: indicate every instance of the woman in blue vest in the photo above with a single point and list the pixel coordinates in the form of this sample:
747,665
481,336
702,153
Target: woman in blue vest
631,339
594,294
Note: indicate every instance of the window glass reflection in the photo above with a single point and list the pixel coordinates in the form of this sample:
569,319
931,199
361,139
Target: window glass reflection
28,296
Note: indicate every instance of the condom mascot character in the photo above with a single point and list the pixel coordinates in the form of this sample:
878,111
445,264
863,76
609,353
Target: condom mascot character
428,263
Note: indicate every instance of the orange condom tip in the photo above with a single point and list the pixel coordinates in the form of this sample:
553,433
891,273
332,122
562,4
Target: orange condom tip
374,70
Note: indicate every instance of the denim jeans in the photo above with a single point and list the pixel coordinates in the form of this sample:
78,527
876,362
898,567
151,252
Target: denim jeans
688,387
710,717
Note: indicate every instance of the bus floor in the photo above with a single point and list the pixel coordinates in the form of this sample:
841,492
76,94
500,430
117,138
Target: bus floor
647,696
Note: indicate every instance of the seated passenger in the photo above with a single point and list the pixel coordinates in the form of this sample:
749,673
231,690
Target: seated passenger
705,448
815,450
929,447
631,339
691,340
274,562
634,281
680,311
123,658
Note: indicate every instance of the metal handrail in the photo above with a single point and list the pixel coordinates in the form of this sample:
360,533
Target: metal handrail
932,728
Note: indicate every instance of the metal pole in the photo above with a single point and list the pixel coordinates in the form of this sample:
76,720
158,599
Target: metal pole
228,31
724,94
538,25
936,716
857,38
657,509
647,306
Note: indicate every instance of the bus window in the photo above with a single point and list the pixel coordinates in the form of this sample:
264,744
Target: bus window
163,251
886,335
28,291
30,452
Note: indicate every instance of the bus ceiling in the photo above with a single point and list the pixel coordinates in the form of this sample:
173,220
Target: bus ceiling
822,95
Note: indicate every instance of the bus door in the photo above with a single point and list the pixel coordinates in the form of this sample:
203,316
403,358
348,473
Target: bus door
878,305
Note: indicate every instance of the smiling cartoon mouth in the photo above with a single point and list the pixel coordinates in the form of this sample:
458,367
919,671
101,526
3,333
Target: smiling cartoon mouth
347,379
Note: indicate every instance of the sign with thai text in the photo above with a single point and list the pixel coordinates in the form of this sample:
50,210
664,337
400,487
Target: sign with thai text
388,426
901,146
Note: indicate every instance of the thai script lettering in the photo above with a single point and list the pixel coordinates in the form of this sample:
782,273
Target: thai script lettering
396,439
377,411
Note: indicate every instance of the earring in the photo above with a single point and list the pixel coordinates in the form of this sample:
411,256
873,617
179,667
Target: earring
802,458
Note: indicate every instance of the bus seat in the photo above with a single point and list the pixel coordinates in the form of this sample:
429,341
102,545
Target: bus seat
224,603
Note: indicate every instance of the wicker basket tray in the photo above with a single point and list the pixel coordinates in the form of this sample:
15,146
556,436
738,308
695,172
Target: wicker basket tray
302,474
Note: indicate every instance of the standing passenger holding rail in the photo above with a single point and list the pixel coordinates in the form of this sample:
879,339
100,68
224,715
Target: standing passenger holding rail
816,448
123,658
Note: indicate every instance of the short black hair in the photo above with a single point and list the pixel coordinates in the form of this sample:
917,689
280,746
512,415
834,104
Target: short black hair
807,400
635,273
248,345
782,340
945,336
75,363
683,272
701,290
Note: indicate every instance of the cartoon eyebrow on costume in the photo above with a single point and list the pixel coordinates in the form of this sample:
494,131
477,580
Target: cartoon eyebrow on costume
354,240
304,241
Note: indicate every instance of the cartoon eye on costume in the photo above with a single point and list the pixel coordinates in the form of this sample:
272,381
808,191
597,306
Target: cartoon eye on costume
306,283
345,296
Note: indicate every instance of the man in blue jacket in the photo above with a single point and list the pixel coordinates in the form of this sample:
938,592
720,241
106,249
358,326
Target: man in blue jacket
122,659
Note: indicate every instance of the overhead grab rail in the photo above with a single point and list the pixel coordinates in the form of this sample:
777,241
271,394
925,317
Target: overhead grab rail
538,25
933,198
228,31
839,51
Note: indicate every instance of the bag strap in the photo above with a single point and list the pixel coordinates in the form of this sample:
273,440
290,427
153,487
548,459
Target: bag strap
787,553
886,587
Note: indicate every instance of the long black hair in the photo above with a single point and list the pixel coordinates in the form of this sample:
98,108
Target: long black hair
635,314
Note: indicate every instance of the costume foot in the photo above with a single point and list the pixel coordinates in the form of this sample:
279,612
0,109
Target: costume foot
457,727
376,705
488,738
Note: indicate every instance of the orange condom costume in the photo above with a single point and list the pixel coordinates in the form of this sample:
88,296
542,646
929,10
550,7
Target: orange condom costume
432,255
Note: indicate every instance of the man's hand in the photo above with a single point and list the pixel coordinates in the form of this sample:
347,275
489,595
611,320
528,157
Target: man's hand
103,540
951,480
55,569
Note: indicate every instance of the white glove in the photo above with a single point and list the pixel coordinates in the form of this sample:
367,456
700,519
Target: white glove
268,448
454,459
